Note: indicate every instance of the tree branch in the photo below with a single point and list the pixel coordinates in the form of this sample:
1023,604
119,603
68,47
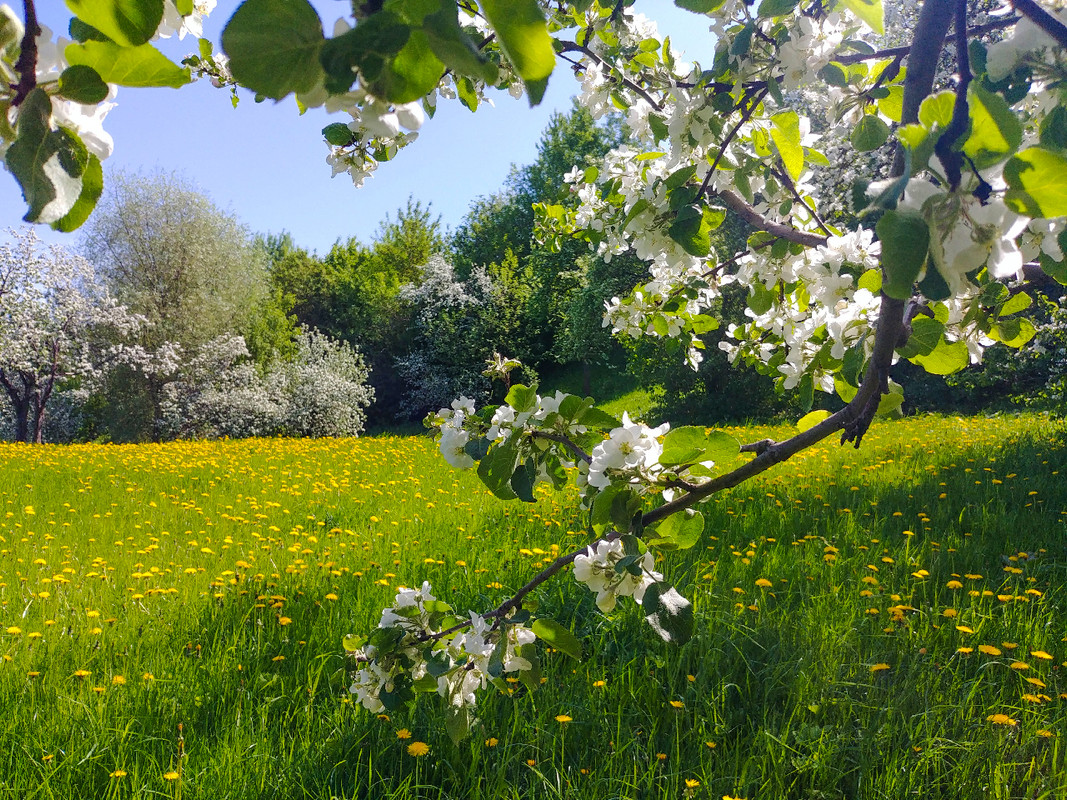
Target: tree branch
946,142
574,47
737,204
893,52
746,115
563,440
1042,19
26,66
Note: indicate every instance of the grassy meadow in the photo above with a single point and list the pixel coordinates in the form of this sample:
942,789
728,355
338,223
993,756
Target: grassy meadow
881,623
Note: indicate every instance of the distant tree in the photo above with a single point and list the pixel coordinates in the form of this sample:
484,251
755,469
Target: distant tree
58,325
170,254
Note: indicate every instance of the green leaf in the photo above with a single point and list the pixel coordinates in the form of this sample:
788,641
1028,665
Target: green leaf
946,358
1038,183
454,46
871,280
1013,332
869,11
555,635
338,134
1016,304
497,469
699,6
690,444
593,417
1053,134
457,723
125,22
92,188
273,46
614,508
785,133
366,47
678,531
352,643
412,73
669,614
523,34
82,84
81,32
48,164
889,403
995,130
692,229
892,105
926,334
776,8
933,286
522,398
834,74
523,480
140,66
869,134
905,241
811,419
936,110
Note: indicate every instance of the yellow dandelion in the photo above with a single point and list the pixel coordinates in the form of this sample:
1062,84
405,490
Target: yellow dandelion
563,718
14,631
1001,719
691,784
677,704
661,756
531,761
332,596
989,650
170,776
1019,665
148,676
763,583
492,741
598,684
879,667
118,680
119,773
964,629
1041,654
82,673
284,620
1036,682
418,749
1044,733
403,733
954,584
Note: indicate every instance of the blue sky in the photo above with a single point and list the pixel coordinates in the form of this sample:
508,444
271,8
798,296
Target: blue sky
266,164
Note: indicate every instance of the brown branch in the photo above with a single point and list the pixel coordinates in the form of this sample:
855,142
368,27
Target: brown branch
746,115
737,204
853,420
894,52
946,142
785,178
1042,19
26,66
574,47
563,440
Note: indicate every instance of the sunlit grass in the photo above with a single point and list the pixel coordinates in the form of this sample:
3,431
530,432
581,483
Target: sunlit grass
880,623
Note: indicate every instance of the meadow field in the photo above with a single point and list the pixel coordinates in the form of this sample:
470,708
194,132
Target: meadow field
881,623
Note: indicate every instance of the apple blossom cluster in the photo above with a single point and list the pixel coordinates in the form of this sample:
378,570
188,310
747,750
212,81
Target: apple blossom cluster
598,568
728,137
411,648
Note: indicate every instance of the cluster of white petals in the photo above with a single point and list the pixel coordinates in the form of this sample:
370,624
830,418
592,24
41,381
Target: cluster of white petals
596,568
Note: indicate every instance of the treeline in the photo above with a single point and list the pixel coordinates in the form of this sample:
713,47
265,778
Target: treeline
200,329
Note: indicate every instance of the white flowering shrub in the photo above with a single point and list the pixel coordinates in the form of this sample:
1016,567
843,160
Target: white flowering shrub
325,387
958,214
320,391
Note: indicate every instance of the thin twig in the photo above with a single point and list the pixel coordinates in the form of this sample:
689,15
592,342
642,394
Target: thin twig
785,178
894,52
571,47
746,115
1042,19
946,142
563,440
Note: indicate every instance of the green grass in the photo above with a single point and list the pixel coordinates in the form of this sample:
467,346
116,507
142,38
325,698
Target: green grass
216,581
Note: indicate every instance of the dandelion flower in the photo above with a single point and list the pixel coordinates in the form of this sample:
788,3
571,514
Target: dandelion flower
119,773
1001,719
677,704
763,583
563,718
403,733
14,631
879,667
1041,654
418,749
82,673
492,741
170,776
118,680
989,650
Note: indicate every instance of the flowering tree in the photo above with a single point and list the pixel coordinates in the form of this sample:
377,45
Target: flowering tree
931,261
57,324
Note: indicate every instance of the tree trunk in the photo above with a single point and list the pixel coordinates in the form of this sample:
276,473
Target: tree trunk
38,421
22,420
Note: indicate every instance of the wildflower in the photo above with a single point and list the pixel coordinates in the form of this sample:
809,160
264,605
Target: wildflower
1001,719
563,718
14,631
763,583
989,650
661,756
879,667
492,741
403,733
82,673
600,683
1019,665
1041,654
677,704
170,776
119,773
531,761
418,749
284,620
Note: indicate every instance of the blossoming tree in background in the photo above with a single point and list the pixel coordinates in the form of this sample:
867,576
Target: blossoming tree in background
931,260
